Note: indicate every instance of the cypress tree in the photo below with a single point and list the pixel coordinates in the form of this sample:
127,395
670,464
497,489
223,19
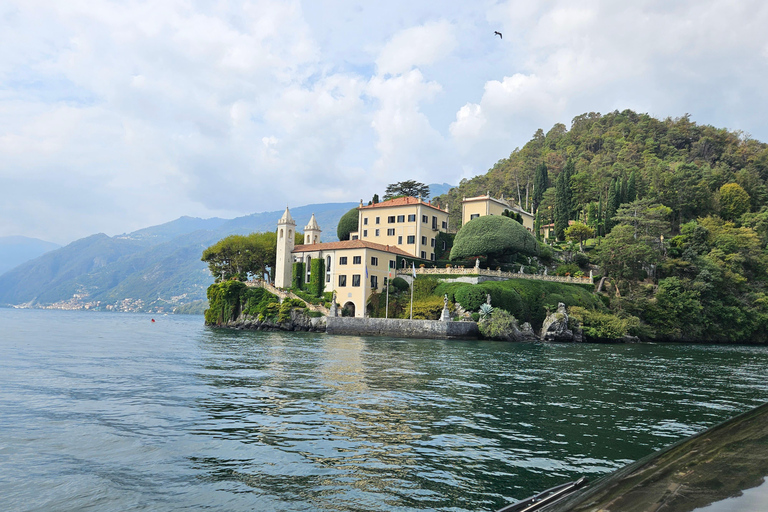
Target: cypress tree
540,184
632,187
600,227
614,193
562,208
569,170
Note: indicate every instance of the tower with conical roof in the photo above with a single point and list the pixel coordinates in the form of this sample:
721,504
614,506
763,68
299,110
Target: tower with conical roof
312,232
286,228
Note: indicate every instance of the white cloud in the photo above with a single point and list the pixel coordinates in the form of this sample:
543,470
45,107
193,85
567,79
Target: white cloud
416,46
115,116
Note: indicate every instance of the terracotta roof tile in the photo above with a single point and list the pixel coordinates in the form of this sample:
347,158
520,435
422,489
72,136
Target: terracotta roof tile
400,201
351,244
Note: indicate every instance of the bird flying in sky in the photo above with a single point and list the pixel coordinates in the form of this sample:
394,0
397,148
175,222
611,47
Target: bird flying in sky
496,32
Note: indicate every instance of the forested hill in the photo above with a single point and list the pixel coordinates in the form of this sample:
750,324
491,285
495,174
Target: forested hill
677,214
675,161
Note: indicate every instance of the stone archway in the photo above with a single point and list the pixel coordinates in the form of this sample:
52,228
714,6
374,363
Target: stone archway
349,307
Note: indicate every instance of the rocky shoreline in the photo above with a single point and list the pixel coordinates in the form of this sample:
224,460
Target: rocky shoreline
299,322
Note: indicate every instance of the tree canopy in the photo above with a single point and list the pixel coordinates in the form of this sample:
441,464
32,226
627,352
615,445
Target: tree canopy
348,223
407,188
242,257
493,236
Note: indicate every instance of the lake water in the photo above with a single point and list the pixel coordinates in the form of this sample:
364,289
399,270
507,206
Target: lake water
112,412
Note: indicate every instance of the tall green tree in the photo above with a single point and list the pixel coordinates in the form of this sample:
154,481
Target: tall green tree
407,188
734,201
540,184
562,205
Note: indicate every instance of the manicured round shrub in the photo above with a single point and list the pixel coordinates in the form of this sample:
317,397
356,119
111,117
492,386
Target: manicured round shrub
348,223
495,236
400,284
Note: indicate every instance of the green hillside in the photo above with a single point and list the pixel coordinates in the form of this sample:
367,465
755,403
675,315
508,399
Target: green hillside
680,211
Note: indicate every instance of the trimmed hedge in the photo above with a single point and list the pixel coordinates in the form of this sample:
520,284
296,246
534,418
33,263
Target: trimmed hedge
347,224
316,277
493,235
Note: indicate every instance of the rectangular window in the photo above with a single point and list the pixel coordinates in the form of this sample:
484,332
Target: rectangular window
423,255
412,217
432,242
343,260
474,216
401,218
434,223
425,219
327,278
356,260
423,240
342,280
444,245
391,219
399,240
365,233
377,232
411,239
391,232
355,279
377,220
374,261
374,282
432,256
354,237
365,221
445,225
392,264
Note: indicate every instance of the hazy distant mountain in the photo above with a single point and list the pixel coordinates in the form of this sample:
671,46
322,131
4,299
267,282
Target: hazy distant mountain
152,269
438,189
15,250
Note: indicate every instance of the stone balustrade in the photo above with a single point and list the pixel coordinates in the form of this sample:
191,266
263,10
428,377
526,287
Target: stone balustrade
499,274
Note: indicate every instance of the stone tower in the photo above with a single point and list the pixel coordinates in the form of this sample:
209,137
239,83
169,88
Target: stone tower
286,228
312,232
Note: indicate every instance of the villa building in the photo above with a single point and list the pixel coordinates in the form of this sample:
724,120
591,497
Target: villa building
474,207
390,233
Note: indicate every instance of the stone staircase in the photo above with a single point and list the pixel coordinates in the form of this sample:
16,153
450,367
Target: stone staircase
286,294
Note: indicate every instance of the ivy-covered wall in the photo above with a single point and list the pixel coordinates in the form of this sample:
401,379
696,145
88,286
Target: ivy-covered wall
316,283
297,281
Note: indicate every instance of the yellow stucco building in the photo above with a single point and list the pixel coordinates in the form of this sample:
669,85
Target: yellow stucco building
389,233
473,207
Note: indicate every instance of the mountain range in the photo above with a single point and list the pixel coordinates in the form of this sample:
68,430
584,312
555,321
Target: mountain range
155,269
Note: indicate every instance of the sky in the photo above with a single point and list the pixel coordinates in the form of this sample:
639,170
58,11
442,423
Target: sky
116,116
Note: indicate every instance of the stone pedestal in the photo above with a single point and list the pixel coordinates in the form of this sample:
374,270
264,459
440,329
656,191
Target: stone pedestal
445,316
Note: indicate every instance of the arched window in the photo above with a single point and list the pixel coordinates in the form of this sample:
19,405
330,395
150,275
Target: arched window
309,265
281,233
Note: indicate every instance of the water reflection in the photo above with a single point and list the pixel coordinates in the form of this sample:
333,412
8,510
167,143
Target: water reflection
345,423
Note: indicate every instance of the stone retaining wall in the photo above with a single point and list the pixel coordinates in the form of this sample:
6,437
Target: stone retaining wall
428,329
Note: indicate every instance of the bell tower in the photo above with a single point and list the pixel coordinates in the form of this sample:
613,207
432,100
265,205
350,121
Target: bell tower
286,228
312,232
